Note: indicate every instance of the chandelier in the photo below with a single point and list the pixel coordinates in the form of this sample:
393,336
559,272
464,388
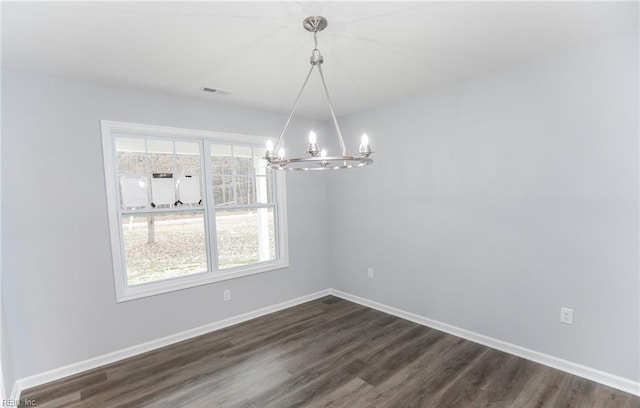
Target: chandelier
316,159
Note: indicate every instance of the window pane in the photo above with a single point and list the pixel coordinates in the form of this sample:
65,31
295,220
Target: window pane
130,155
223,190
160,154
264,189
189,191
221,160
245,190
188,158
243,159
188,173
163,246
259,163
163,190
245,237
134,192
220,149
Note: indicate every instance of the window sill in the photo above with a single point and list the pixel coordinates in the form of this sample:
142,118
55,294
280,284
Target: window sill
186,282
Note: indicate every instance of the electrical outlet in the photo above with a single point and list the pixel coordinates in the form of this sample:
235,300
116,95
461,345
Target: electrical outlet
566,315
227,294
370,273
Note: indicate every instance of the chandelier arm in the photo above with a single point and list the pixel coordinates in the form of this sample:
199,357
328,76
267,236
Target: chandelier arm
293,109
333,114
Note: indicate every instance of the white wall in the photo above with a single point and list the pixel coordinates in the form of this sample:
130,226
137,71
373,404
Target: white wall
7,358
58,281
497,200
6,362
492,203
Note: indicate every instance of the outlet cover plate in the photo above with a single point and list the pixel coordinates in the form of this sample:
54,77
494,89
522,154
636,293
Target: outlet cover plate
566,315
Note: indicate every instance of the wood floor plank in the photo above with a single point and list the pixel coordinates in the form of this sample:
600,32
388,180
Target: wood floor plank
71,385
65,400
427,388
344,395
576,393
606,397
190,366
327,353
407,351
506,386
468,386
402,386
542,388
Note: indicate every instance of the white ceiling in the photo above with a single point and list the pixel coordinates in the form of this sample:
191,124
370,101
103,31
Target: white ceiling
374,51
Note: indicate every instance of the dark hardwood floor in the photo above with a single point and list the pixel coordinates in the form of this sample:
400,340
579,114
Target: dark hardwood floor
327,353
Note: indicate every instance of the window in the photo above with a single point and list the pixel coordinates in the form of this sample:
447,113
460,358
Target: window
189,207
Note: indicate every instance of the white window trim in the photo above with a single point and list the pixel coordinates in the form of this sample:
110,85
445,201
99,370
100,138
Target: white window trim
123,291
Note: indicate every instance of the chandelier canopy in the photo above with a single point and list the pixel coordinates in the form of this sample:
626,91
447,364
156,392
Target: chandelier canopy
316,159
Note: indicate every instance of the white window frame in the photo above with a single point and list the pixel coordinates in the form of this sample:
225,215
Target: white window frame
124,292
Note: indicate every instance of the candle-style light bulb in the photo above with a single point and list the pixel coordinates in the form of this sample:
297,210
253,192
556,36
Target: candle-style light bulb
323,163
365,140
268,155
365,149
313,144
281,153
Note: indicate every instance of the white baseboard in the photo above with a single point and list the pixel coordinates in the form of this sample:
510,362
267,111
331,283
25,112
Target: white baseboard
620,383
81,366
601,377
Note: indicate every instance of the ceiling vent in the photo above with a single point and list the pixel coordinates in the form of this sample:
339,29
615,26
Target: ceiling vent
215,91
